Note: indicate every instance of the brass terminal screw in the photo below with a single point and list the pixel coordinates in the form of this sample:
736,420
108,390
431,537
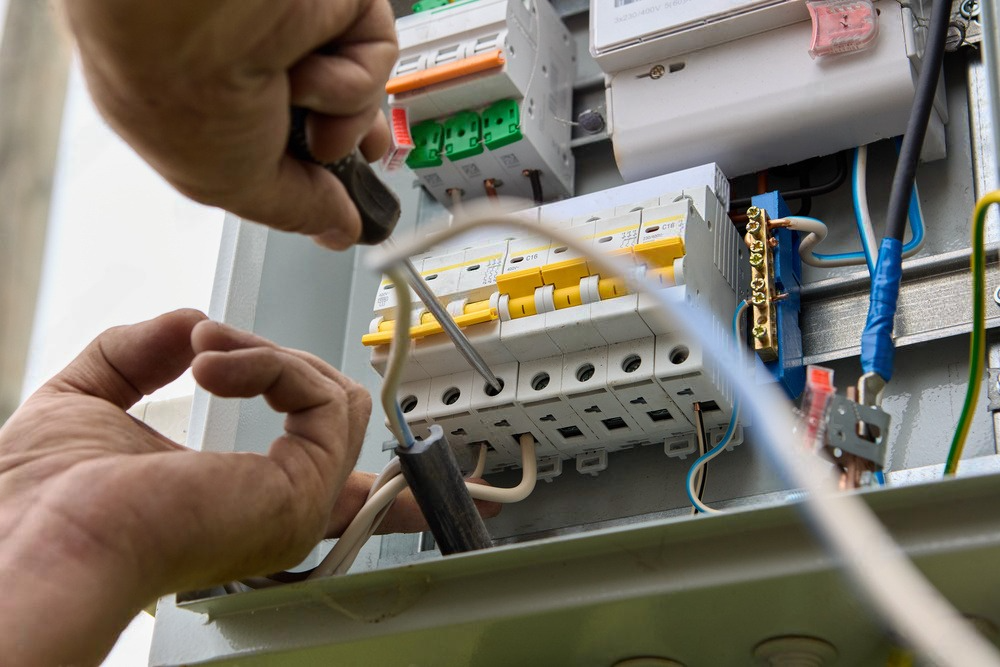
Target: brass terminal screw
757,246
753,227
753,212
759,331
757,284
756,259
758,299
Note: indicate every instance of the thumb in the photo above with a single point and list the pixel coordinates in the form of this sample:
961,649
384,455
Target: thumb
125,363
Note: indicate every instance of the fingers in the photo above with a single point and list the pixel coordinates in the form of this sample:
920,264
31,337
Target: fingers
325,408
376,142
404,516
312,25
125,363
303,198
332,138
344,84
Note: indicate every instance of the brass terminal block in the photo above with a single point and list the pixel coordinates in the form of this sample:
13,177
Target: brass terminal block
762,297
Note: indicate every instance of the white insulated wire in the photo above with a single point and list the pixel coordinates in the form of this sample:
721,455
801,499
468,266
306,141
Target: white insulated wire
895,588
366,521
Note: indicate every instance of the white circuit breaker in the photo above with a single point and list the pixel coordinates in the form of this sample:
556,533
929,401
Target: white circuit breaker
486,87
587,368
734,82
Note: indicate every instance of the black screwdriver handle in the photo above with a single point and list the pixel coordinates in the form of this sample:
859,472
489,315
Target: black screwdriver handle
377,204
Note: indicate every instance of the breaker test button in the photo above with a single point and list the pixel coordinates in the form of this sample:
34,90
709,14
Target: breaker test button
841,26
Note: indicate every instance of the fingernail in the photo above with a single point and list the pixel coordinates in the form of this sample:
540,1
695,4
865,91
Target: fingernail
335,239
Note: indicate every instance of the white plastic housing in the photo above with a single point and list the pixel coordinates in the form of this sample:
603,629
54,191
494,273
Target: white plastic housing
762,101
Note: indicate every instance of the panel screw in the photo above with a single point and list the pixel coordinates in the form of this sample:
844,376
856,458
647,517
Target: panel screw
969,9
756,259
996,296
759,331
656,71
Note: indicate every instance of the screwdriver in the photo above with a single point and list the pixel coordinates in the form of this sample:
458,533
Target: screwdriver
379,209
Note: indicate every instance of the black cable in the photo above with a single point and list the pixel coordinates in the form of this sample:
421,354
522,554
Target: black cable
916,126
811,191
535,176
703,442
805,204
433,476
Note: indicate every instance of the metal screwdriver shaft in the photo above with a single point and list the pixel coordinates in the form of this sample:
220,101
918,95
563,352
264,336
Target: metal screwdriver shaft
452,330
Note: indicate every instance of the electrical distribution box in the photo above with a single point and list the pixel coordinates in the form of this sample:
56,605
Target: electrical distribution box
586,367
487,89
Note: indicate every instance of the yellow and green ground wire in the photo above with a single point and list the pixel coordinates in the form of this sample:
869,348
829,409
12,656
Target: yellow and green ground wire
977,346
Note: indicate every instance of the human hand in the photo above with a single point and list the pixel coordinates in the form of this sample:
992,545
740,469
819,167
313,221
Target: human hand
100,514
202,92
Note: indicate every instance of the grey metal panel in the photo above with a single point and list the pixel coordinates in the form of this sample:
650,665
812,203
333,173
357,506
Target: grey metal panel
934,302
607,595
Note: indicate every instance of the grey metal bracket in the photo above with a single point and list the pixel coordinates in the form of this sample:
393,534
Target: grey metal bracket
842,429
992,389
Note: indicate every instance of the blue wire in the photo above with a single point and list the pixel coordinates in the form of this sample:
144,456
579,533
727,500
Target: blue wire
408,440
915,216
728,435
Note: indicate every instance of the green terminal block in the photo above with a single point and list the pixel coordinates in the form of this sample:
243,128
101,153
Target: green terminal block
502,124
463,136
427,137
424,5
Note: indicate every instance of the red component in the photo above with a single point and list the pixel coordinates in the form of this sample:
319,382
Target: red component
841,26
815,402
402,142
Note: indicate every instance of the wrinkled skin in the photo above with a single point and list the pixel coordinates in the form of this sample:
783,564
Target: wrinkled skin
201,90
100,514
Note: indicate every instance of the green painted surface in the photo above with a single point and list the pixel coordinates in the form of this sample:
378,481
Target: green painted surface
502,124
427,137
424,5
463,136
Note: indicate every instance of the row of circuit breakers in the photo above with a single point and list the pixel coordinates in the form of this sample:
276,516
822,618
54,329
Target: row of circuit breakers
481,98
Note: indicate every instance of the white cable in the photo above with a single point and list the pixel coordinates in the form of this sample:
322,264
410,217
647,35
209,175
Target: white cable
816,232
398,349
864,213
899,593
514,494
366,521
480,463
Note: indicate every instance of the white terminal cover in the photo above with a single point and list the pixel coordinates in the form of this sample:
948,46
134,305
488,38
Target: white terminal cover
600,374
763,101
627,33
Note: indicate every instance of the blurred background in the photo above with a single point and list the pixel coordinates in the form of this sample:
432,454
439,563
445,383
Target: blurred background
90,236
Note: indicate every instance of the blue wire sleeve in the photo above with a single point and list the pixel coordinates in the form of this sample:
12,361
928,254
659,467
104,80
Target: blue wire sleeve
408,440
877,349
